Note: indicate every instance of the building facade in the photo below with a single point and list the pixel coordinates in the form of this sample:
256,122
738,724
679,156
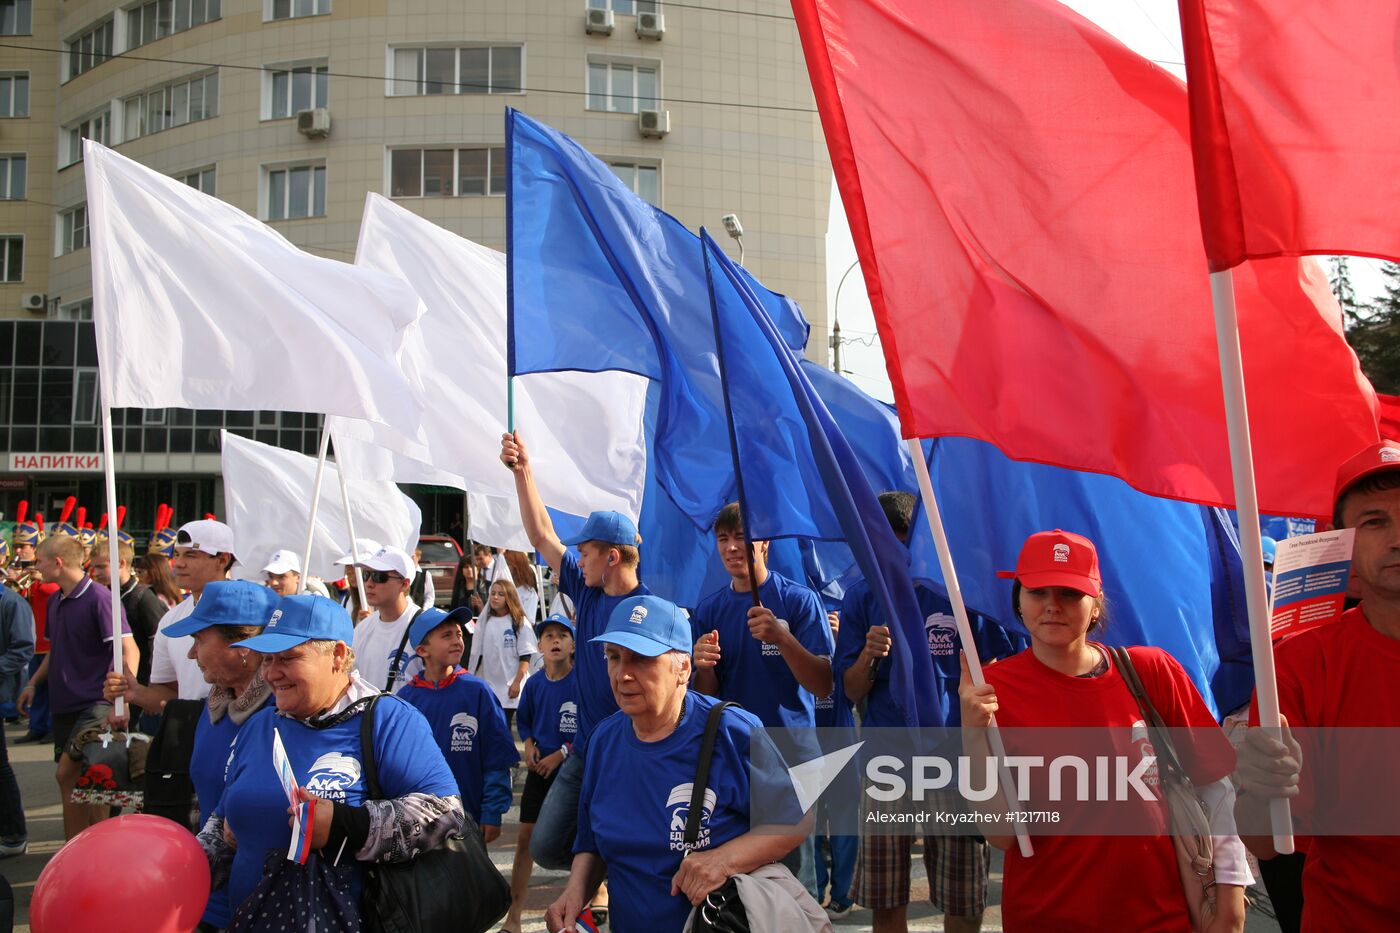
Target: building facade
293,110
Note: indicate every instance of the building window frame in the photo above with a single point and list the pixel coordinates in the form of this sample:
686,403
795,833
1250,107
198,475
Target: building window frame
144,20
89,48
21,18
85,394
280,196
197,178
280,10
80,310
626,7
171,105
606,92
493,183
72,229
419,85
96,126
14,165
14,84
285,82
633,173
11,257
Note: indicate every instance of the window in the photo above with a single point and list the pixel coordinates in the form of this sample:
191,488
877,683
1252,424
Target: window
94,127
622,87
11,259
200,179
160,18
439,173
85,395
299,191
470,69
293,90
14,94
186,101
13,180
90,49
73,232
77,311
290,9
624,7
643,179
16,17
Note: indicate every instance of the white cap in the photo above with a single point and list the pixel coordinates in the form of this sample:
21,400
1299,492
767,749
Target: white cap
391,559
283,561
206,536
363,547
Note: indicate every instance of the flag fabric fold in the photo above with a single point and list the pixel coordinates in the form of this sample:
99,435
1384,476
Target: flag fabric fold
1019,194
198,305
267,501
1293,126
800,478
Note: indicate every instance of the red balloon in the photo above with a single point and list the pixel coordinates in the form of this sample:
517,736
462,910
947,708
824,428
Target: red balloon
132,874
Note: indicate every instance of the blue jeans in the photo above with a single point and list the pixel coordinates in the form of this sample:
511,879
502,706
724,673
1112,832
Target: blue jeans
843,850
802,862
552,843
40,722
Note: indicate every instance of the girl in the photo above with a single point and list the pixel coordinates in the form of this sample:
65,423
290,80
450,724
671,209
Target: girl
503,646
522,573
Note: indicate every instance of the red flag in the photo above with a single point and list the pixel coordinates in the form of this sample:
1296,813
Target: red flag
1293,126
1019,191
1389,415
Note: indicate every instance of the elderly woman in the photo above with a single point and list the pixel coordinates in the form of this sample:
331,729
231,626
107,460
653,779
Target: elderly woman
309,665
629,829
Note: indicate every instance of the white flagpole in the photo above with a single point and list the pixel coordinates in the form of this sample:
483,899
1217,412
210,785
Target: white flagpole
969,646
315,502
350,526
109,469
1227,336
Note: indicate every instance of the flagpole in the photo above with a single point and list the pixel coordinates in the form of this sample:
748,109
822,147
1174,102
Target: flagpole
315,501
109,469
969,645
350,526
1227,336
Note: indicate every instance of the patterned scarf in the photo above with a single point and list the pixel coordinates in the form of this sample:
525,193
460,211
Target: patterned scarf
239,708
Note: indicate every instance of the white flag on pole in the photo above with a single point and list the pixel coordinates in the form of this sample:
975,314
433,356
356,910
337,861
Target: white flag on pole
584,431
198,305
266,492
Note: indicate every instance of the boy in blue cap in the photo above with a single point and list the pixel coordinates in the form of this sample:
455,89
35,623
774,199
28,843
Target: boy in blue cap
548,722
466,718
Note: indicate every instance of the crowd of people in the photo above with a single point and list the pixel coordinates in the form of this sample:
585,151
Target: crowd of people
638,726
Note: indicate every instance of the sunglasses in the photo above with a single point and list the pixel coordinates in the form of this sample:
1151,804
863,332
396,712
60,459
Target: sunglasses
381,576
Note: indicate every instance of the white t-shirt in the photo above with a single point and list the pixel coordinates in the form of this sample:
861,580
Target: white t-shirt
529,602
375,643
170,657
498,649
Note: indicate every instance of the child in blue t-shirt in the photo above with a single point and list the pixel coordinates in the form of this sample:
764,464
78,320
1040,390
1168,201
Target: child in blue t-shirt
547,721
466,718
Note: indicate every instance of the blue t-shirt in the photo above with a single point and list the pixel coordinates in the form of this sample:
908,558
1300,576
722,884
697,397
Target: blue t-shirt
327,763
860,610
213,743
548,711
752,673
636,795
469,726
592,608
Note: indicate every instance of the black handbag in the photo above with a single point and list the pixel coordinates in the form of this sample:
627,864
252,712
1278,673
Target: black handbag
454,888
722,910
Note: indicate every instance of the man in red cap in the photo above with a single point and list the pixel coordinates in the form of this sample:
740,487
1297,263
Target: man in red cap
1346,674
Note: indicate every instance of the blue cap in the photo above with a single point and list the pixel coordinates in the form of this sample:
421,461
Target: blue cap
608,527
227,602
298,619
430,619
648,625
1270,547
557,619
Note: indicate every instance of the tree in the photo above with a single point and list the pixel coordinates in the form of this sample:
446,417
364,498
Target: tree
1373,329
1340,275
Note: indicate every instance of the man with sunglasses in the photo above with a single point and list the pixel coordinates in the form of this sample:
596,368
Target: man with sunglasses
203,554
382,654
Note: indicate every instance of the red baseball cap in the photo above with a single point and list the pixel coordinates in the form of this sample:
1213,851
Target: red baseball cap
1376,458
1058,558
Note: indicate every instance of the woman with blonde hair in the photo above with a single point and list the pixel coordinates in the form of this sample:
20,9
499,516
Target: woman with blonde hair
503,645
522,573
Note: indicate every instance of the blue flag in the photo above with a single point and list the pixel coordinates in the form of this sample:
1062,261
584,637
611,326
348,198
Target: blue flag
599,279
798,476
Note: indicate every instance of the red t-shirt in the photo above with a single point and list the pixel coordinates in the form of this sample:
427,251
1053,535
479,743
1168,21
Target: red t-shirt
1101,882
1345,674
39,595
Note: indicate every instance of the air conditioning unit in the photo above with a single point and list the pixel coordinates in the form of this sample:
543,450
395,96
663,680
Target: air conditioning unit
36,302
650,25
654,123
598,22
314,123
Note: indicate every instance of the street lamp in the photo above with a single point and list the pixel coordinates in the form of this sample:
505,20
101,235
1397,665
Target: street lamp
736,230
835,341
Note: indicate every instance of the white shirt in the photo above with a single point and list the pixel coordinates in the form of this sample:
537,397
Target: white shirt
376,642
529,602
499,650
170,658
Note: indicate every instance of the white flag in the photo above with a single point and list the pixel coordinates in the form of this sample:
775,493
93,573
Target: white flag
584,431
267,502
198,305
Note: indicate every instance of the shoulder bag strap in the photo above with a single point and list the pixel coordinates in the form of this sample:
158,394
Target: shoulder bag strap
371,770
394,668
1157,727
702,776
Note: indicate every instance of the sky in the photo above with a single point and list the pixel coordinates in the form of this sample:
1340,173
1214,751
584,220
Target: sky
1149,27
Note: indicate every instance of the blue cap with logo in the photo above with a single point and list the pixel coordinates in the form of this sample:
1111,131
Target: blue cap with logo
298,619
227,602
648,625
430,619
557,619
609,528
